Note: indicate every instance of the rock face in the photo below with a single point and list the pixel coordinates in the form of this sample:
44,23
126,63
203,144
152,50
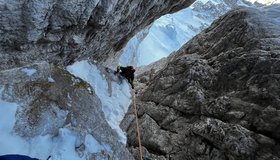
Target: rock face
49,99
218,96
64,31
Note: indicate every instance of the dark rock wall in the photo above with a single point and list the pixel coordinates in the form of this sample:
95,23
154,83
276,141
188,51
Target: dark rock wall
218,96
62,31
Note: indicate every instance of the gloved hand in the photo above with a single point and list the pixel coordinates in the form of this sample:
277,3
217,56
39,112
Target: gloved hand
118,68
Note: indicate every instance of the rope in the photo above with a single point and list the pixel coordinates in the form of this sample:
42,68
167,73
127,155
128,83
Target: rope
137,126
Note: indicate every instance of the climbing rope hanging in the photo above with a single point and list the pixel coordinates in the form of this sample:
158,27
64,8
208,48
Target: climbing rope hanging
137,127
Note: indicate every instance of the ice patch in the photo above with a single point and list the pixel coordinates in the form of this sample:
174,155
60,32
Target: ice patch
50,79
7,114
29,71
78,39
93,146
8,143
64,147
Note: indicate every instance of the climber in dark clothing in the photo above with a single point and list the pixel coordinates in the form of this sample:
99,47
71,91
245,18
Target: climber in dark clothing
128,73
16,157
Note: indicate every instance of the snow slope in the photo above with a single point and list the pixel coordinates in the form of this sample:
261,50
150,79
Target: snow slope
167,34
115,102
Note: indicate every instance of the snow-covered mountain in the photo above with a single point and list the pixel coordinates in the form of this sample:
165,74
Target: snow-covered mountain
265,2
54,104
170,32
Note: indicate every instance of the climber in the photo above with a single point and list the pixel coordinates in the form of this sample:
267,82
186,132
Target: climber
128,73
16,157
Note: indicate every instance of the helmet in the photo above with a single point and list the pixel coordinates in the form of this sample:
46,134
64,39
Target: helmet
131,68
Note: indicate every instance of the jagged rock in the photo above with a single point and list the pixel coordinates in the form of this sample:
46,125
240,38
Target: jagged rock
64,31
218,96
49,99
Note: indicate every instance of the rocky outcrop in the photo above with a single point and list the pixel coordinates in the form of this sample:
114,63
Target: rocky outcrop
218,96
50,99
63,31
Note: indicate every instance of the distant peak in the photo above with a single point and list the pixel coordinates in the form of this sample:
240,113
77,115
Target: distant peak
265,2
